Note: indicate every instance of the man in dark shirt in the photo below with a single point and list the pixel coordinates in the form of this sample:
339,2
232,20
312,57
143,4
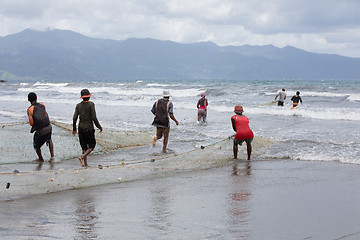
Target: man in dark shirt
296,98
87,114
40,124
162,110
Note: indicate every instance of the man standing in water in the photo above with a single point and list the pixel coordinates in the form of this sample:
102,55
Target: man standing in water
296,98
282,96
202,107
162,110
87,114
240,124
40,124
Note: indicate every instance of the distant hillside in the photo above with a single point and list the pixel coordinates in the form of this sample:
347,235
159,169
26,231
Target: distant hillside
60,55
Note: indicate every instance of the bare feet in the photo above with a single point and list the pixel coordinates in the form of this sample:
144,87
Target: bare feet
38,161
154,141
81,161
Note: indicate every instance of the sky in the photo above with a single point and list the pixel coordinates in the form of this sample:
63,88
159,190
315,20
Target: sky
320,26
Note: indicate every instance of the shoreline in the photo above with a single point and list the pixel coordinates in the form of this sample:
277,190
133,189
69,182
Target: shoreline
280,199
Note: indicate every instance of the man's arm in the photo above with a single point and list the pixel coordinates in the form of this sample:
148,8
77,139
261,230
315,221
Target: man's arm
94,118
233,124
30,114
75,117
153,109
173,118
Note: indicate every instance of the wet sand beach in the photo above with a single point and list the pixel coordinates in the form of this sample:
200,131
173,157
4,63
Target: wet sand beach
260,199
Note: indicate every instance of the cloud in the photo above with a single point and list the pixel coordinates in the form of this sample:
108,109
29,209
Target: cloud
325,26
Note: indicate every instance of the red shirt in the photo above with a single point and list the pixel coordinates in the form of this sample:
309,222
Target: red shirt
243,130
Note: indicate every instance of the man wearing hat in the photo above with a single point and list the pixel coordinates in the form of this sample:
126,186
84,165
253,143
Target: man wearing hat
85,110
240,124
40,124
162,110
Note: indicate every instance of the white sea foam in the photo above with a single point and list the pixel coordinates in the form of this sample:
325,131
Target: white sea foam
311,94
122,91
157,85
12,114
354,97
47,84
323,94
327,114
328,158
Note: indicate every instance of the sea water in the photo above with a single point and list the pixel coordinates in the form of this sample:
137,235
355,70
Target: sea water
240,201
323,128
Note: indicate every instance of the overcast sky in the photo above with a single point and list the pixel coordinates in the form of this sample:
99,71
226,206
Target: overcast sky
321,26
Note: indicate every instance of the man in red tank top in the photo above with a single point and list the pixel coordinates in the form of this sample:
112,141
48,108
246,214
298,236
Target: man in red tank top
240,124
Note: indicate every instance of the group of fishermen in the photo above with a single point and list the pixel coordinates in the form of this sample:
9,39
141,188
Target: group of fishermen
162,109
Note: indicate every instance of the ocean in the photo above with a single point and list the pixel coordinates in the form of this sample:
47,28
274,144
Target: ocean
217,205
323,128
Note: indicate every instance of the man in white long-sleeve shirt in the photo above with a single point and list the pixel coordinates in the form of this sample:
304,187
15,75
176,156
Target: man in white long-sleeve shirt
282,96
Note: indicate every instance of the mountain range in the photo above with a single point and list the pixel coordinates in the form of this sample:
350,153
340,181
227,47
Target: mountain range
63,55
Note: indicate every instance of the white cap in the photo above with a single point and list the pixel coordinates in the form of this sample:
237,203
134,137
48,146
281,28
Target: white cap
166,93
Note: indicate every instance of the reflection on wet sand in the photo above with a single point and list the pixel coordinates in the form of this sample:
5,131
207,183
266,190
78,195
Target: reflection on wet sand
238,200
161,210
40,165
86,217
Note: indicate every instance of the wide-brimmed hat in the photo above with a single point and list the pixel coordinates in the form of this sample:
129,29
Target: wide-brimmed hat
202,94
238,108
166,93
85,93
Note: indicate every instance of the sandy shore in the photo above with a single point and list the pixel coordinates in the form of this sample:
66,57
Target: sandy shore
280,199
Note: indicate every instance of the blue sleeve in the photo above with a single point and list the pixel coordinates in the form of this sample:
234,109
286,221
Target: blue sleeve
171,108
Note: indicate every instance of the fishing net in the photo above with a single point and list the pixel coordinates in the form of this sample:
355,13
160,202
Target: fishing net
18,184
16,142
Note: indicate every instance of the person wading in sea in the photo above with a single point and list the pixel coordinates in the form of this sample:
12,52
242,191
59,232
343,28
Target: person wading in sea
40,124
162,110
85,110
296,98
202,107
282,96
240,124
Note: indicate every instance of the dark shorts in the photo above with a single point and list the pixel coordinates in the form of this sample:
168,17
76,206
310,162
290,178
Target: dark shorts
162,131
40,140
280,103
240,142
87,138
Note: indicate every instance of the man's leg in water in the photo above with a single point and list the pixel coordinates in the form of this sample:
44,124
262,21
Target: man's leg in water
38,152
235,150
159,133
166,138
249,149
84,156
51,149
